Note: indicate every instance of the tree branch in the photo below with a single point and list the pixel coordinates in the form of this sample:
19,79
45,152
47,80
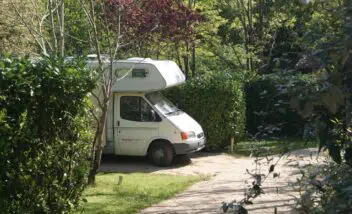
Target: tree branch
51,10
41,45
97,98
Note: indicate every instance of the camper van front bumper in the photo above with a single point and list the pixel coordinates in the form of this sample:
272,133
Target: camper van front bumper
189,147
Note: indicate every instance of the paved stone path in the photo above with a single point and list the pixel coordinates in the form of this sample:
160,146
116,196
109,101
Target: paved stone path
228,182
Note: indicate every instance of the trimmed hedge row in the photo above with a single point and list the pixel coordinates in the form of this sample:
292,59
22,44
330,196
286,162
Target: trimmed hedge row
44,141
217,102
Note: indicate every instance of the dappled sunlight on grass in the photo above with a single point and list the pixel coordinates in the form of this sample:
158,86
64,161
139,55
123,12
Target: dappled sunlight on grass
136,191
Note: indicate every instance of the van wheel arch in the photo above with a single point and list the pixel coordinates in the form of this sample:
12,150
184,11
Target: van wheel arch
161,147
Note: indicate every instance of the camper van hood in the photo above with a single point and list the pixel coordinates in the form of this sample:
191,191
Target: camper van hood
185,123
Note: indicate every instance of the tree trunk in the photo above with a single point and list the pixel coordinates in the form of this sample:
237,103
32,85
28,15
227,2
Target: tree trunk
98,144
243,16
95,32
94,166
193,45
178,58
193,65
62,28
53,29
186,64
250,33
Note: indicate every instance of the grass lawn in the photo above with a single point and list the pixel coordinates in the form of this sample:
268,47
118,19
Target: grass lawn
271,147
137,191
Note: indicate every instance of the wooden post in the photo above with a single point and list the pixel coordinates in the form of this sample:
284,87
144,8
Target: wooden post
232,146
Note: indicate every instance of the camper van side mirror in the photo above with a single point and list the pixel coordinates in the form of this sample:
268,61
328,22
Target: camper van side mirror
152,115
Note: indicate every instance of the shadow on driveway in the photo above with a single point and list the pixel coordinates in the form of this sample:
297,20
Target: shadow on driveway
129,164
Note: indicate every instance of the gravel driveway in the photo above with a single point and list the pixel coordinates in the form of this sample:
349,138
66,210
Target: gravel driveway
228,181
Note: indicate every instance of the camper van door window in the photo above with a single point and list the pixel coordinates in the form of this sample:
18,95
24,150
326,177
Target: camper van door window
129,108
135,108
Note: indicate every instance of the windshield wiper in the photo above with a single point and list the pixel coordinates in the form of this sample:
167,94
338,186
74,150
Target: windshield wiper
173,112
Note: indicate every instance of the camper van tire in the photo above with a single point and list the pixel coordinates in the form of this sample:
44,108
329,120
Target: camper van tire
161,153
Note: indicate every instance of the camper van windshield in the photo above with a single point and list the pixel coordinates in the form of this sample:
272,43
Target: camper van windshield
162,104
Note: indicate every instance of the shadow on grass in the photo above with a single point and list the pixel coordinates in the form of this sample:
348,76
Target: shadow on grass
271,147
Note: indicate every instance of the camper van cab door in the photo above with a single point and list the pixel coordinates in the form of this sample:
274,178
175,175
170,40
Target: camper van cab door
136,123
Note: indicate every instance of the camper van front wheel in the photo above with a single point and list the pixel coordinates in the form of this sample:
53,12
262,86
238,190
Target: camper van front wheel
161,153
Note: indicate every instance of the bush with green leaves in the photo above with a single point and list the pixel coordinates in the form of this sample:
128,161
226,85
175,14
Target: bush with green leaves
44,134
217,102
268,110
326,188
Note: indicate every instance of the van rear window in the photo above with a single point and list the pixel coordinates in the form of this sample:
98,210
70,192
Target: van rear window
139,73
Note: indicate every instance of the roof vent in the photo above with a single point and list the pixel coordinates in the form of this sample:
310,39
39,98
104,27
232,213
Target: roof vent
95,57
139,59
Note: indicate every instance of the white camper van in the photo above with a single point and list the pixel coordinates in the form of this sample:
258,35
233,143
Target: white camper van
140,120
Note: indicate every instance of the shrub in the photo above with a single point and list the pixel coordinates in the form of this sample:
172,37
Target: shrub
268,111
217,102
326,188
44,149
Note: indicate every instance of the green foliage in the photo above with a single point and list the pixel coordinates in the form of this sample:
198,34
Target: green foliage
78,29
323,92
318,97
326,189
14,38
217,102
268,111
44,141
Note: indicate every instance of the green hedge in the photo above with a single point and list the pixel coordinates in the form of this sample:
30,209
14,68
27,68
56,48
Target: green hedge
44,140
217,102
268,110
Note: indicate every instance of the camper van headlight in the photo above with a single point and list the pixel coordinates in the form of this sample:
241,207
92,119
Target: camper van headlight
186,135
